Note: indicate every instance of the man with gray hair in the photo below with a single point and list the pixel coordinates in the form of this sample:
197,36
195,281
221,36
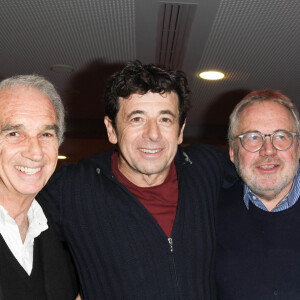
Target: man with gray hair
258,255
34,263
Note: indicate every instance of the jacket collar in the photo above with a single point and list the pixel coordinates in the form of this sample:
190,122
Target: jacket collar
102,161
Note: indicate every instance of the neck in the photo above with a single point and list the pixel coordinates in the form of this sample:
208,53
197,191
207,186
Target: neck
141,179
272,203
23,224
17,208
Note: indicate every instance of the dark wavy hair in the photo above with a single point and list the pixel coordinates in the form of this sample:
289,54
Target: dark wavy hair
136,78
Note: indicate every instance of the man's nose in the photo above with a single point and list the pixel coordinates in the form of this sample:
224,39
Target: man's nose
268,148
152,130
33,149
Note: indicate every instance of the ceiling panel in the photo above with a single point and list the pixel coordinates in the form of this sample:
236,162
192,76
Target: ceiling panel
256,43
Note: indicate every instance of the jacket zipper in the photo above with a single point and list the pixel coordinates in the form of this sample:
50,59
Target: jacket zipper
170,240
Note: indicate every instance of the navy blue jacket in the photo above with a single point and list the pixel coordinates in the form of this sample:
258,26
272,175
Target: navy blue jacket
258,252
119,249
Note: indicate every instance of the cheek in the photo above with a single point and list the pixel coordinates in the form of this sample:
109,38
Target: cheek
7,153
173,135
246,160
291,158
128,134
51,151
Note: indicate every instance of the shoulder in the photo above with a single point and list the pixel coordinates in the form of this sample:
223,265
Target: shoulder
211,160
207,155
231,196
202,152
92,165
203,148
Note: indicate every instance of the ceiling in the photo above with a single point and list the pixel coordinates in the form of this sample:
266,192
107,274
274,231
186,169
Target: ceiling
256,43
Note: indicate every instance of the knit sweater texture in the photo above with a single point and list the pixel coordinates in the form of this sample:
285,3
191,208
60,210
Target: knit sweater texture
53,276
119,249
15,282
258,252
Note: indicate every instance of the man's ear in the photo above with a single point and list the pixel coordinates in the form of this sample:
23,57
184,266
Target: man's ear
180,136
111,133
231,154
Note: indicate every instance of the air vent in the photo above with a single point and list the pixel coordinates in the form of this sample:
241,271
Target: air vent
174,25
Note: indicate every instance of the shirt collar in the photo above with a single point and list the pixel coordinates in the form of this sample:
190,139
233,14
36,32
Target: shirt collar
37,220
3,216
289,200
36,217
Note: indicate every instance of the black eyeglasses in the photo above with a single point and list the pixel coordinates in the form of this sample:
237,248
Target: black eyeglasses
281,140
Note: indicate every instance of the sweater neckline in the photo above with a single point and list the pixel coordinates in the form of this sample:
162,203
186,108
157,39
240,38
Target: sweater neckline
267,214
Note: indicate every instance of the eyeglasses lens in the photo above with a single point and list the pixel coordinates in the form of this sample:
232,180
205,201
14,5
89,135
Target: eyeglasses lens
253,141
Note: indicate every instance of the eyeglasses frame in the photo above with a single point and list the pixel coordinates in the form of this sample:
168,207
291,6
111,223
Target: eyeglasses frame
241,137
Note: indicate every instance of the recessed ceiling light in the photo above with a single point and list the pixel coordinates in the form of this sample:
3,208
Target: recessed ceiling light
61,157
211,75
62,68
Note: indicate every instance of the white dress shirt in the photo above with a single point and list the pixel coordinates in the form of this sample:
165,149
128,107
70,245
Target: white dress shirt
11,235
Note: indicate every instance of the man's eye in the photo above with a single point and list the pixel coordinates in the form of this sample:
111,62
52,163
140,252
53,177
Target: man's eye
47,134
136,119
166,120
253,137
14,137
14,134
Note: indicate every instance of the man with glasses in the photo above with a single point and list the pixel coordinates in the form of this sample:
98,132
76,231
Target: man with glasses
258,255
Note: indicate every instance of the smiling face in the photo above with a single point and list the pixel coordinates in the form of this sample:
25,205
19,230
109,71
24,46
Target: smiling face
147,133
28,142
269,173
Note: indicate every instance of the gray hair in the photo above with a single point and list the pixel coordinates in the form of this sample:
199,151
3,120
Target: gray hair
45,87
257,97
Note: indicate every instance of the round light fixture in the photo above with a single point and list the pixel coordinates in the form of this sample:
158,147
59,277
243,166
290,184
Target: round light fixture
211,75
62,68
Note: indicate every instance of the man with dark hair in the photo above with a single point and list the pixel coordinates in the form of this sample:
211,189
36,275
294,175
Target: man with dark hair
34,263
258,253
139,219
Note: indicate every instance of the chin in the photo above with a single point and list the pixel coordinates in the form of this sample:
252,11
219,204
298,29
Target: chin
31,191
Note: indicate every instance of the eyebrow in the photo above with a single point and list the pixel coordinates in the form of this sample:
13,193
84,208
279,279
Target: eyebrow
9,127
249,131
257,131
53,127
141,112
167,112
136,112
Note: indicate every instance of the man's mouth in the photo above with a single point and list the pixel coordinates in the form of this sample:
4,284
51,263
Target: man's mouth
265,167
28,171
151,151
